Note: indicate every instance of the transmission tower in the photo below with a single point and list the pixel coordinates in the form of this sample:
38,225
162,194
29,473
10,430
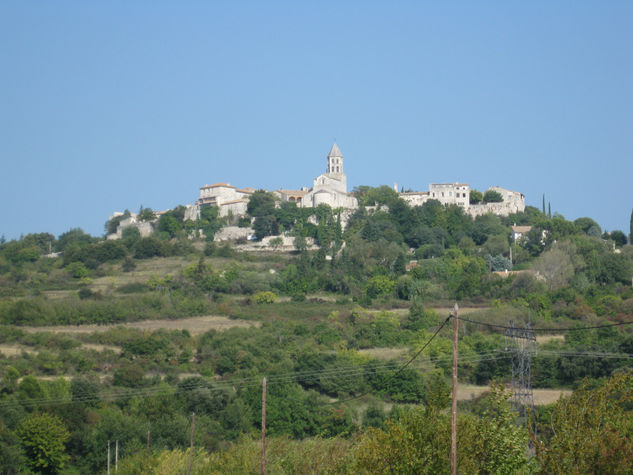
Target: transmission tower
521,343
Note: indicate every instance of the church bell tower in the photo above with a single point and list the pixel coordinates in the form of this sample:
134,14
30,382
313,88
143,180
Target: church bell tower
335,161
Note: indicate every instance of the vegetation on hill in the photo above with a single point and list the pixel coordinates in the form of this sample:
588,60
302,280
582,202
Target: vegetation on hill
332,328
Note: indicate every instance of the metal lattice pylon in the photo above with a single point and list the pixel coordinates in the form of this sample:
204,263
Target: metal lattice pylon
521,343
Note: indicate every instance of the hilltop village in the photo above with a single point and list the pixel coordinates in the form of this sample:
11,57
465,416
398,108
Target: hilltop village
330,189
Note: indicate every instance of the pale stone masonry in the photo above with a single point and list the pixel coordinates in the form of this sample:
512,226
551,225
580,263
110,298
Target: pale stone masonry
330,188
229,199
459,194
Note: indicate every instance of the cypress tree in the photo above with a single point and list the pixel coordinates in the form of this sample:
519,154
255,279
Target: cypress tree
549,209
543,203
631,230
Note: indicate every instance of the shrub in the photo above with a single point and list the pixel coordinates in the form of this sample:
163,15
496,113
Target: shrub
77,270
265,297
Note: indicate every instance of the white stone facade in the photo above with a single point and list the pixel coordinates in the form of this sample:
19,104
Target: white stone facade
446,193
145,228
513,202
331,188
459,194
229,199
450,194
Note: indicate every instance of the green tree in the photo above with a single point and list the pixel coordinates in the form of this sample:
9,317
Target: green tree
492,196
169,224
73,236
556,267
587,225
631,229
380,285
618,237
590,431
476,197
419,442
261,203
43,437
77,270
146,214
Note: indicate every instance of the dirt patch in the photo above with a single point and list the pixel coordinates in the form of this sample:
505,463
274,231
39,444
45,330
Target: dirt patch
100,348
400,312
194,325
145,269
15,350
546,338
383,353
549,396
462,310
541,396
58,294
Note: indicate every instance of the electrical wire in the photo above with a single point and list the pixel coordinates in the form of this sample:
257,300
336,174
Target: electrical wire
284,378
549,330
428,342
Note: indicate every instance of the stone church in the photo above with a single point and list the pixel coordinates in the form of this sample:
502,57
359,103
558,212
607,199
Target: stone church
331,187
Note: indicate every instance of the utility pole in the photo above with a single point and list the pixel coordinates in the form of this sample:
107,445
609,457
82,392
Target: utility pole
263,469
454,408
116,456
193,425
108,457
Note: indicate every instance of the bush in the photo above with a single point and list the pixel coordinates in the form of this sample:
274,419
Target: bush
77,270
265,297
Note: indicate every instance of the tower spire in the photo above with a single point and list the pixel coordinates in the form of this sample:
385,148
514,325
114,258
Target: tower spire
335,160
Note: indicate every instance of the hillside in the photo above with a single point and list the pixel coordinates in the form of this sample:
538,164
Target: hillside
125,339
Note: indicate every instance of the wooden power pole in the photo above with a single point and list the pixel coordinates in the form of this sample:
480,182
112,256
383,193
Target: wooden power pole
108,457
263,426
193,425
454,408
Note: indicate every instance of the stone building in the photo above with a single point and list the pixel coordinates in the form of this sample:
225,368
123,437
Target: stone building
513,202
228,198
145,228
294,196
331,187
446,193
459,194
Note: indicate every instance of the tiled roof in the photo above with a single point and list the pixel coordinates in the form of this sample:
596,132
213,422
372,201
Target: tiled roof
216,185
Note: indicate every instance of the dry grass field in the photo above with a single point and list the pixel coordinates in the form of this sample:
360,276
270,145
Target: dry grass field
383,353
546,338
15,350
462,310
541,396
145,268
194,325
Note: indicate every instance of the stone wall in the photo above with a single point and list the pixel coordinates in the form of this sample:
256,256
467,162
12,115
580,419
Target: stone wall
145,228
232,233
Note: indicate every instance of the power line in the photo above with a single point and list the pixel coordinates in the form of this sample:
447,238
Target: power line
404,365
283,378
254,381
549,330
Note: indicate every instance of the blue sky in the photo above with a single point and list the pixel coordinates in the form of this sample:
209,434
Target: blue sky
112,105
